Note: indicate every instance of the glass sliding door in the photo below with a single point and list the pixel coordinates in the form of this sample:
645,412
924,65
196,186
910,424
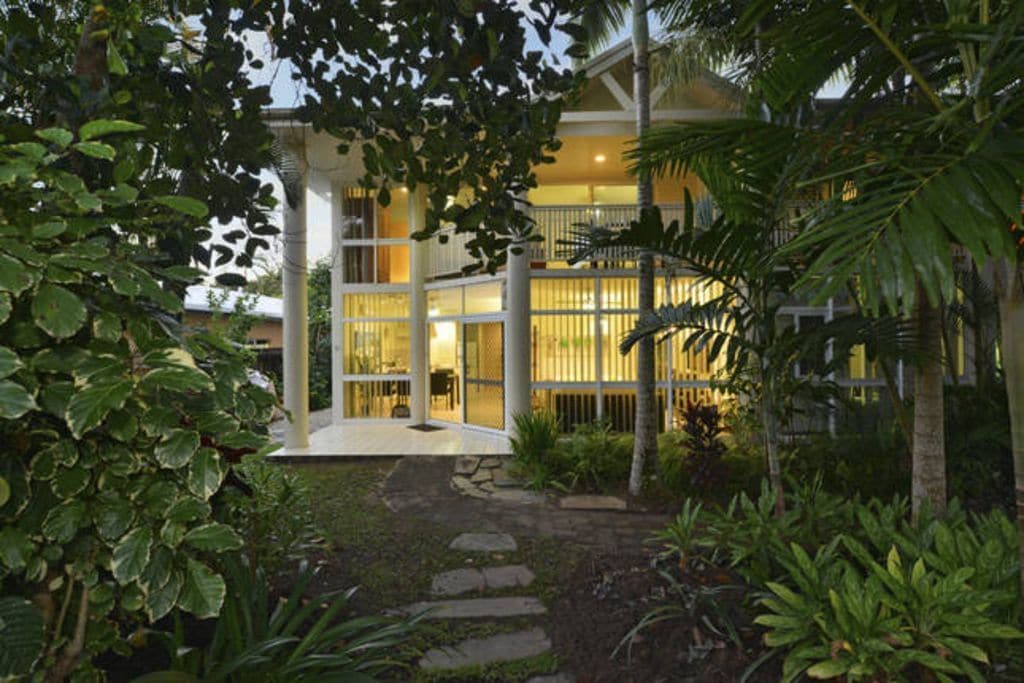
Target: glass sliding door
485,374
445,370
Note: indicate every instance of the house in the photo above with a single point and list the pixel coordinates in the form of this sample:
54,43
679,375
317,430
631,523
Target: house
209,307
413,337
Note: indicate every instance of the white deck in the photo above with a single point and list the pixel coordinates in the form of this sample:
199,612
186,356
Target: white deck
395,438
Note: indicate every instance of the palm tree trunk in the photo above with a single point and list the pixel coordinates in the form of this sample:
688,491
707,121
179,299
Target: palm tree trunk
770,424
645,443
1011,318
928,479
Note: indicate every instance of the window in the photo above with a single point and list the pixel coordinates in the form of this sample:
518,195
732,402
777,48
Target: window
375,245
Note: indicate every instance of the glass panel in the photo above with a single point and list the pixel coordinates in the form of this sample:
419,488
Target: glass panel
443,302
445,367
619,293
618,368
860,367
563,348
393,219
357,208
484,298
485,372
575,294
559,195
375,348
615,194
393,263
378,305
357,264
376,398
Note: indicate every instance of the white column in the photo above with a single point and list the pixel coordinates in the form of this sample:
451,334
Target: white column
517,335
337,339
418,367
296,322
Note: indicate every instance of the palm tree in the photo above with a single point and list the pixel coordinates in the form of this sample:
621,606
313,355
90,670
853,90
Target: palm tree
923,162
602,19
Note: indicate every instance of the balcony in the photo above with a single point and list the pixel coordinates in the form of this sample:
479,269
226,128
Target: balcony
556,224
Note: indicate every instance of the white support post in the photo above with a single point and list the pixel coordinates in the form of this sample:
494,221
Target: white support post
296,322
418,308
337,337
517,335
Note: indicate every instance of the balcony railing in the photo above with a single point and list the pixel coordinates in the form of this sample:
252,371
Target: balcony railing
557,225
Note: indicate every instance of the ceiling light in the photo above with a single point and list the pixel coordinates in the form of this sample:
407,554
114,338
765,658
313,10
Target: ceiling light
600,158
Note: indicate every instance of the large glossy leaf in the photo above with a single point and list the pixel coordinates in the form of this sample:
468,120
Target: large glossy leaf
205,473
186,205
100,127
22,637
112,516
176,449
57,311
15,400
213,537
159,601
9,362
131,554
63,521
15,276
203,591
90,405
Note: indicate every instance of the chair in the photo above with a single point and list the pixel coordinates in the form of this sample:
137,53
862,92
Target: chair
441,384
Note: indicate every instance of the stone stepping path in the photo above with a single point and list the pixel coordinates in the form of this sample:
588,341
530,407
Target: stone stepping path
504,647
484,543
459,581
477,608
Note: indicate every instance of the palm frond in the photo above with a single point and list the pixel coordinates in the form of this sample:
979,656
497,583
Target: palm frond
601,19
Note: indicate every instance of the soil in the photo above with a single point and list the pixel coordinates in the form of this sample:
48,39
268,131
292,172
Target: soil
610,593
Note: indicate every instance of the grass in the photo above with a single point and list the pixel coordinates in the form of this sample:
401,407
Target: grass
393,557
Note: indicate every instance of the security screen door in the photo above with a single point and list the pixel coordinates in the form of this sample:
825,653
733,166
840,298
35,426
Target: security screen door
485,374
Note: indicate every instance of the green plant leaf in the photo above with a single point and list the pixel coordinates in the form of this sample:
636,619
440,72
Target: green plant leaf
112,517
203,591
96,150
15,548
101,127
69,481
205,473
176,449
15,400
62,522
115,64
90,405
58,136
186,205
214,537
15,276
179,378
57,311
22,637
160,601
830,668
131,554
9,362
5,307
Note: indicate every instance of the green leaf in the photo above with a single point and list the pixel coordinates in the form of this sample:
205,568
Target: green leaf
90,405
96,150
5,307
214,537
107,326
186,205
15,276
177,448
22,637
203,591
5,492
160,601
62,522
188,509
48,230
58,136
69,481
57,311
177,378
131,555
9,362
205,473
15,400
830,668
115,64
112,517
15,548
101,127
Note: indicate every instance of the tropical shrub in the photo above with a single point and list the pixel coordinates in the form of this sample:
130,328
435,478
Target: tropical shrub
274,515
117,427
592,458
298,638
534,436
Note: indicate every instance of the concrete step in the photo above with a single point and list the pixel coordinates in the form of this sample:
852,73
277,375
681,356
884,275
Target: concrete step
476,608
459,581
504,647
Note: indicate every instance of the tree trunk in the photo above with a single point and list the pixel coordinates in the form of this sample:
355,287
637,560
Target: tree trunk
1011,318
645,444
928,481
770,424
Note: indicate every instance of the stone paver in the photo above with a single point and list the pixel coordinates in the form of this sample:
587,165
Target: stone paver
466,464
504,647
592,503
484,543
477,608
508,576
552,678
